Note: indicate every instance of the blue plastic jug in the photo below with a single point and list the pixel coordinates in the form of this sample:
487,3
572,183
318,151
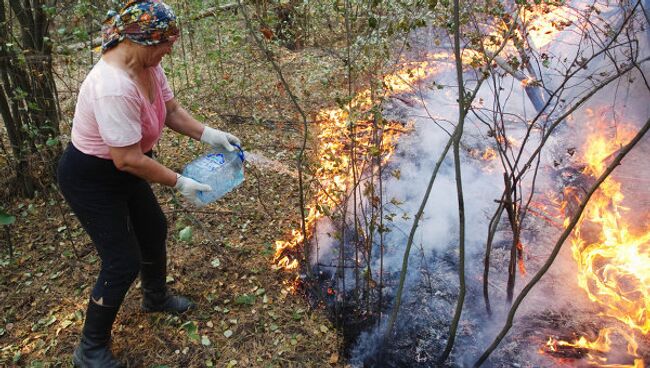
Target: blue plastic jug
222,170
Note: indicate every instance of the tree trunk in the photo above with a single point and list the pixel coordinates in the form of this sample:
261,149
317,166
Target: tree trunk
28,103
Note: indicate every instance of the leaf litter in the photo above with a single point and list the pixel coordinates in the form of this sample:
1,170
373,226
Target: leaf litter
220,256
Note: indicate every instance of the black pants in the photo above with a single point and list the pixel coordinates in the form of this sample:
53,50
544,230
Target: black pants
124,220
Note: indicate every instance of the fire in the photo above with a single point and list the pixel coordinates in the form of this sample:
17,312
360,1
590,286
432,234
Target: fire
520,259
613,262
489,154
544,21
334,173
468,57
529,81
597,349
614,268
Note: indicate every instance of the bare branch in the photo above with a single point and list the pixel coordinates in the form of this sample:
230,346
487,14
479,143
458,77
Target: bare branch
558,245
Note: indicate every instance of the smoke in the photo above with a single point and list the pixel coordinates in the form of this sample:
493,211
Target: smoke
416,158
432,283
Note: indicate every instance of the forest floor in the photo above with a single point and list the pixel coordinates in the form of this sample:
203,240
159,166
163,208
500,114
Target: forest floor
246,315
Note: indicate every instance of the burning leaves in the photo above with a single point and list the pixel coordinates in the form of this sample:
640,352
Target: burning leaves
334,175
544,21
596,351
341,129
613,263
372,139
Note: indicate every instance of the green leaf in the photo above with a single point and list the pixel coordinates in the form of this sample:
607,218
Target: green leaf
6,219
245,299
66,323
53,141
49,321
191,329
372,22
185,234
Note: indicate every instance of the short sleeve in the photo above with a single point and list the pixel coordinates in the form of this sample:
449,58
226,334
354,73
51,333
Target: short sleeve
118,119
167,93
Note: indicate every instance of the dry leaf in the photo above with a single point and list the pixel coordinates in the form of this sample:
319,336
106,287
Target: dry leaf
334,358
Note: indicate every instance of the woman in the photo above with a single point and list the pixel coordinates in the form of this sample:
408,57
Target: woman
123,104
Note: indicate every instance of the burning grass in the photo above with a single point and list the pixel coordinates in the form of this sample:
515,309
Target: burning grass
613,263
334,173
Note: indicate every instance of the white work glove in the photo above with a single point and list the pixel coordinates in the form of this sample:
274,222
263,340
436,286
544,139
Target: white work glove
217,138
189,188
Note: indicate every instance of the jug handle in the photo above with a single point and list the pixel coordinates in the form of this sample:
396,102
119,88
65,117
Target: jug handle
240,153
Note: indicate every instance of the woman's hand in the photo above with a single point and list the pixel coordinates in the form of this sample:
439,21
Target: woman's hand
179,120
217,138
189,188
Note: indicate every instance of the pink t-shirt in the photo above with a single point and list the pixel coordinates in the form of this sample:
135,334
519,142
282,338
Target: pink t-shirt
112,112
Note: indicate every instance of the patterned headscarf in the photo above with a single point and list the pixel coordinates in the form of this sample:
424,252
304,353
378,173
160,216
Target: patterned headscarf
143,22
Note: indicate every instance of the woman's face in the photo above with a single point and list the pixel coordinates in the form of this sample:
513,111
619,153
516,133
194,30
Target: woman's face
154,54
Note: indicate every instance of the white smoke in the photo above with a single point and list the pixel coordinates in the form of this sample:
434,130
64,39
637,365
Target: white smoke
418,152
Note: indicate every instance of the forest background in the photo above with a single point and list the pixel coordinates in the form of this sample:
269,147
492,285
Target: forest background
271,72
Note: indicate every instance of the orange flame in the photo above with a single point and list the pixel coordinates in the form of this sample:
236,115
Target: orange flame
597,349
489,154
334,173
613,263
520,258
614,269
543,22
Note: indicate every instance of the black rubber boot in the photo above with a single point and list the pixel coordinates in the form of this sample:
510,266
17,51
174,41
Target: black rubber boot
162,301
155,296
93,350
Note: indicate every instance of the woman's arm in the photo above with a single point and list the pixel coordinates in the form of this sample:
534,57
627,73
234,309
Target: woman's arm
132,160
179,120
